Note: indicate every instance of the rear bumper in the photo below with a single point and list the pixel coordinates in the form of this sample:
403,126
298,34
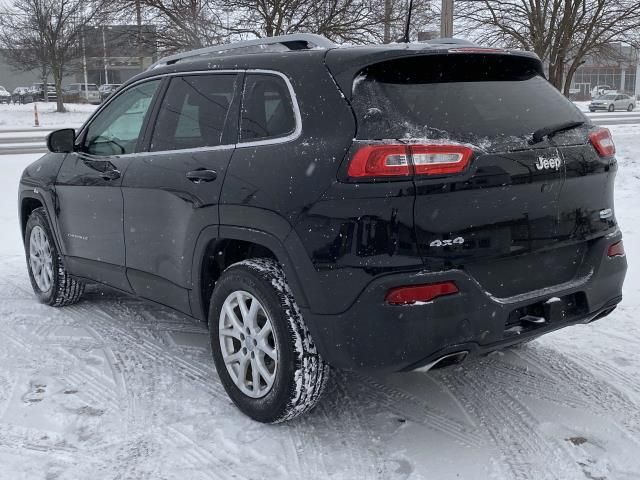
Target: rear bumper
372,335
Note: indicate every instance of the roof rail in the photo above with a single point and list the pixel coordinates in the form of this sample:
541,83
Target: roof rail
296,41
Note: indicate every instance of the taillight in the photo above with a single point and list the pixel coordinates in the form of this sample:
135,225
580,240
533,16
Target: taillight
392,160
616,250
440,159
603,143
419,293
380,161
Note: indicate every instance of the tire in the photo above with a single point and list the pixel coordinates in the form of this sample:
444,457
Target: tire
296,375
612,108
56,288
630,108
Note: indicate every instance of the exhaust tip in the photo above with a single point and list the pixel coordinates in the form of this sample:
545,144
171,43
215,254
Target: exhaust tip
445,361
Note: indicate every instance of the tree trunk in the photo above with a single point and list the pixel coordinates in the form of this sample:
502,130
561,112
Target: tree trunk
387,21
570,73
57,80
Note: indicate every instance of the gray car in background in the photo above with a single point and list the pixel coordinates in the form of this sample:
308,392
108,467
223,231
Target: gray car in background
5,97
612,102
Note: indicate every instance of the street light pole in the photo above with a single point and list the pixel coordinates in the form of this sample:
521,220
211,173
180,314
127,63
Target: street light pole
446,19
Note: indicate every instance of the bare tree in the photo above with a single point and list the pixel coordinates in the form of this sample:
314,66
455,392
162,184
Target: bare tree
354,21
46,33
562,32
183,24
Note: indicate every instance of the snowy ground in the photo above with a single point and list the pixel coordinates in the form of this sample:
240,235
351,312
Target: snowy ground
22,116
114,388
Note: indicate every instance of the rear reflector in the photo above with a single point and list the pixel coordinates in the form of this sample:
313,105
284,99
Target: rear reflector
419,293
616,250
392,160
603,143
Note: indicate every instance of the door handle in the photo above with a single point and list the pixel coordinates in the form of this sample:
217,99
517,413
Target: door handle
110,175
202,175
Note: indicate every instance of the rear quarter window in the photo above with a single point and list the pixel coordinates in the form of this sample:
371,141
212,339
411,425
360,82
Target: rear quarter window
267,108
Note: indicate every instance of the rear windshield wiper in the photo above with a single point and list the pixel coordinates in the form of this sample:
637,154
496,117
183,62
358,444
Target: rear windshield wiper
539,134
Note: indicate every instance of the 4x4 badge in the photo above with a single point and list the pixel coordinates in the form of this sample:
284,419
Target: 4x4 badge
447,243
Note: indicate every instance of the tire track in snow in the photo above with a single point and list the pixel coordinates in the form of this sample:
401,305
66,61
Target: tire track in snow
604,398
508,422
419,411
107,317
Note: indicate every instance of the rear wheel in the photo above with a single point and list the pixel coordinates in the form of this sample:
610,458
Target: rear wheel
264,354
630,107
612,107
49,279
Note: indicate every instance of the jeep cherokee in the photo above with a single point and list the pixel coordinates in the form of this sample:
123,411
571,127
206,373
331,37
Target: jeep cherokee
389,208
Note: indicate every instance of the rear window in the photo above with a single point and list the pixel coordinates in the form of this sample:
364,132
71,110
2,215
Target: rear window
482,99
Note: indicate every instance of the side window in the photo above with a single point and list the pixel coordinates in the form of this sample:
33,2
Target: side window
267,108
116,129
194,112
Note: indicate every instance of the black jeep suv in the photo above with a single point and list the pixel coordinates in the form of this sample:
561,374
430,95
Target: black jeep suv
376,208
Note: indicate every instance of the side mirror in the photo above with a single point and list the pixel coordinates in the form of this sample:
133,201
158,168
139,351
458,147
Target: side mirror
62,141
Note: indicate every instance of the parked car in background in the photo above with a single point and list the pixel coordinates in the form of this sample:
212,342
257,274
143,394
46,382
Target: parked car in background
612,102
22,95
38,93
81,93
5,97
599,90
107,90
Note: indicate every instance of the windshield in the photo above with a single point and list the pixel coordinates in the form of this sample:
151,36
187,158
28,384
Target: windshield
473,98
608,97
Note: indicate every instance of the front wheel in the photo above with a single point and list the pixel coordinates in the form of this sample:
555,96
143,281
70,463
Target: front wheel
611,108
264,354
630,108
50,280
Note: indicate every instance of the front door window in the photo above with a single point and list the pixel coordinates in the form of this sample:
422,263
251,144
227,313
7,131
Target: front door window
117,129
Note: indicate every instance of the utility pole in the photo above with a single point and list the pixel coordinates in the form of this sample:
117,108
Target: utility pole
446,19
104,57
84,63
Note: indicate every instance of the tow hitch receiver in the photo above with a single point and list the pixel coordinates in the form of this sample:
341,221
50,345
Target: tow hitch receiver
540,314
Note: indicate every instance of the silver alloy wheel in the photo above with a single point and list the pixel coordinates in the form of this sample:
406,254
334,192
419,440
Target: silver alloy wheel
248,344
41,258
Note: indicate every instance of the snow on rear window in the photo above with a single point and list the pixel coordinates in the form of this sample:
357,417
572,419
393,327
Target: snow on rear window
492,102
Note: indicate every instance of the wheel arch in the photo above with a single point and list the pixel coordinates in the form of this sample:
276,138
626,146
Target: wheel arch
27,205
218,247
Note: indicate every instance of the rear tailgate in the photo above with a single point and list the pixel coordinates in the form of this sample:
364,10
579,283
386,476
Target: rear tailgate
520,215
